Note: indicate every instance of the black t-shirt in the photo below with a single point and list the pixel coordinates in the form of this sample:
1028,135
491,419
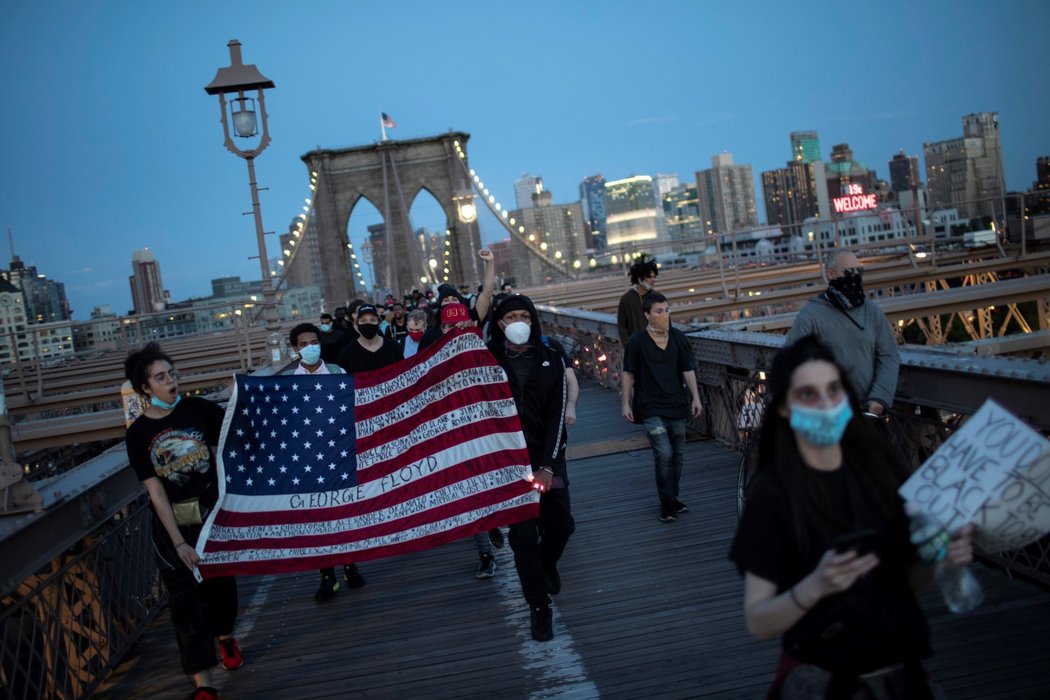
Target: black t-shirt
177,450
355,358
659,389
877,622
331,342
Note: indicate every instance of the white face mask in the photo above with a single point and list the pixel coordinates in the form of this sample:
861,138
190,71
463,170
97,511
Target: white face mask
518,332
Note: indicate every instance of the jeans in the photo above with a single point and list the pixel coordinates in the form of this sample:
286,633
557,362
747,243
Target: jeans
667,437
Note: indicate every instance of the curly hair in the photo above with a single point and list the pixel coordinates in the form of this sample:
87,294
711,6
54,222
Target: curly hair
642,268
137,364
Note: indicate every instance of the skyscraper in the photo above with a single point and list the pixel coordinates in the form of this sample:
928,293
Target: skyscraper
967,173
592,196
727,195
790,194
805,146
664,183
556,229
526,186
841,176
904,173
45,300
632,214
147,288
682,214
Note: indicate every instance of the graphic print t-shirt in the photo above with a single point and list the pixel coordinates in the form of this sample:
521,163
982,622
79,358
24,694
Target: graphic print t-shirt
177,449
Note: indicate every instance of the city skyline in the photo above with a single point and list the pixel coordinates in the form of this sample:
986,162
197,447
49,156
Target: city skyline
112,146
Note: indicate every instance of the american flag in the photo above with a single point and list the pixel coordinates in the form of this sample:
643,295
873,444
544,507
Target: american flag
324,470
388,122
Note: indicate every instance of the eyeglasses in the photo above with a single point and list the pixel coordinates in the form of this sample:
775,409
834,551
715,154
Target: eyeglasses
166,377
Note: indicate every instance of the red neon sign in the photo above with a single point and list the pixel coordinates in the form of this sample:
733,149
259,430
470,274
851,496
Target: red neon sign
854,200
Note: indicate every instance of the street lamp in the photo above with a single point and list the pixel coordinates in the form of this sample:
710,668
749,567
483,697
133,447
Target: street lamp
236,79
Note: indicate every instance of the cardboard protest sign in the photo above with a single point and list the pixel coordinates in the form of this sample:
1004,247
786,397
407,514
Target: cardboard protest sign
994,471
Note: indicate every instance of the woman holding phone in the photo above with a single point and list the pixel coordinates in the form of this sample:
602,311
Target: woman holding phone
171,448
823,543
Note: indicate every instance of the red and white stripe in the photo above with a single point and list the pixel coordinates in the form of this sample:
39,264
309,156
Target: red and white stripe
440,457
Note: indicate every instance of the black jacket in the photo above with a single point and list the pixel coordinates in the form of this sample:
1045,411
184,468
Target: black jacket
541,400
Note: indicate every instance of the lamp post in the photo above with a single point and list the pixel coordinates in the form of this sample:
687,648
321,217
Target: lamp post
238,78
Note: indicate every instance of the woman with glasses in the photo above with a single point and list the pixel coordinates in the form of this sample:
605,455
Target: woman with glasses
171,447
824,546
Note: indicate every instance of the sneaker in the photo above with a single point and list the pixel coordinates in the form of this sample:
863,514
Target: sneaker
487,567
203,692
667,515
542,622
496,538
353,577
329,586
553,578
231,654
679,507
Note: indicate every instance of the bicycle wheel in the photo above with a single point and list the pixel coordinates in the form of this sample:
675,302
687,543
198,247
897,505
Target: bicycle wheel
746,472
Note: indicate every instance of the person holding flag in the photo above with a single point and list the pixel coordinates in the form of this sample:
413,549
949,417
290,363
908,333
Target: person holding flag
536,374
170,447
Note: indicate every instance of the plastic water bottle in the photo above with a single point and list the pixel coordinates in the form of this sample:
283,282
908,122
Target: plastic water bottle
961,590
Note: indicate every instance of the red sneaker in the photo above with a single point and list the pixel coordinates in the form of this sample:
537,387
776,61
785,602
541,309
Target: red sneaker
204,693
231,655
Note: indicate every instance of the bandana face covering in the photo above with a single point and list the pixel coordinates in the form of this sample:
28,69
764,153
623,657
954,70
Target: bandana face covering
847,290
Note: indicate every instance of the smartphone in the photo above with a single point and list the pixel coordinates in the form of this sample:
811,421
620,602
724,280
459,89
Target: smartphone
859,541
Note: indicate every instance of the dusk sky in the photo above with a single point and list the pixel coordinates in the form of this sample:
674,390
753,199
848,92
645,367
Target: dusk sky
110,144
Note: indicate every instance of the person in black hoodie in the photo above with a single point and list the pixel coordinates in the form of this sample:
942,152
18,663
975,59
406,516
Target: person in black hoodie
536,373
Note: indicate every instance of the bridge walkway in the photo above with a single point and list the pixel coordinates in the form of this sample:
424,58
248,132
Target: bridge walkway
647,610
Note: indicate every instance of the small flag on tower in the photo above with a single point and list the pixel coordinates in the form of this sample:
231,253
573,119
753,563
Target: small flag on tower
388,123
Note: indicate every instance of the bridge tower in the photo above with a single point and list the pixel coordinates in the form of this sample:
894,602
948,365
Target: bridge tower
390,174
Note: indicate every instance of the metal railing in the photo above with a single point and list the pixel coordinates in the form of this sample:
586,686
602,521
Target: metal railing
64,628
937,390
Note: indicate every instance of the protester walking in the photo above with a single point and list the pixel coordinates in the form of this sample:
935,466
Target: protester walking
660,392
823,543
171,447
629,316
306,339
536,375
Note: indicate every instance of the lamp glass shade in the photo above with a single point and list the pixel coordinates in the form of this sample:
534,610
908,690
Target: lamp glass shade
244,123
467,212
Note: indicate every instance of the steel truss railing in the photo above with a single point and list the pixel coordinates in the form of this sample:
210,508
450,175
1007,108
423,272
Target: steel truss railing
937,391
64,628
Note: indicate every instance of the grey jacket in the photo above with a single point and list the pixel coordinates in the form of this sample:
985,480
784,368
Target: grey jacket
864,346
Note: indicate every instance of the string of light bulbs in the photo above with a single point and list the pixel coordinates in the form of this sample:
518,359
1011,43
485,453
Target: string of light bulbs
516,229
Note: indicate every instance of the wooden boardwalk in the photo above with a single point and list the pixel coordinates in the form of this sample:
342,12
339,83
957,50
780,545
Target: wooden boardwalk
648,610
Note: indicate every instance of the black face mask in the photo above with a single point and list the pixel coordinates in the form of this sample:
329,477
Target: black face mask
368,330
847,290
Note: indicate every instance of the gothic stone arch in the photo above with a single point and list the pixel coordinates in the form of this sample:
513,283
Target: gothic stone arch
390,174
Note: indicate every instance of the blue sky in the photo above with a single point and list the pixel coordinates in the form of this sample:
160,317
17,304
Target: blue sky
109,143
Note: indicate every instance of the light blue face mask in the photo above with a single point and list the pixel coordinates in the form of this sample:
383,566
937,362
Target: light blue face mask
164,404
325,327
820,426
310,354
